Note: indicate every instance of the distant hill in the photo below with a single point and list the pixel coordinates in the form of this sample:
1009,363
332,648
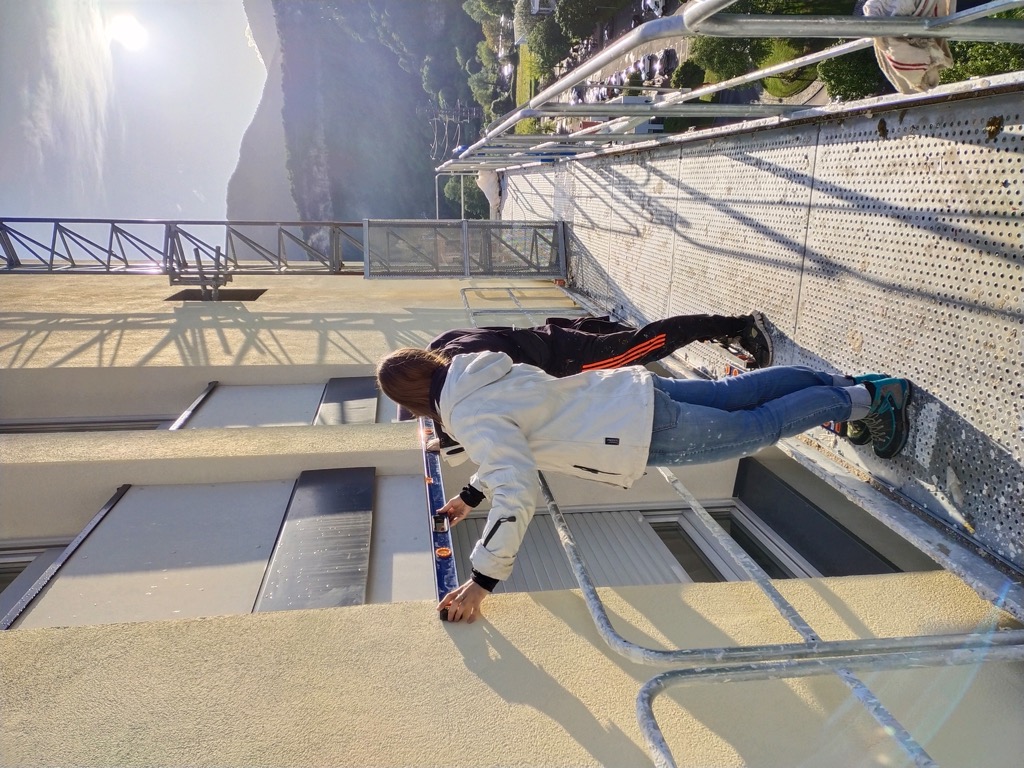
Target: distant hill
342,131
260,188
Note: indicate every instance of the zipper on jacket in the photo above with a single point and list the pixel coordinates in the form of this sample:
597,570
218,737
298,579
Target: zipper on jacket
594,471
497,525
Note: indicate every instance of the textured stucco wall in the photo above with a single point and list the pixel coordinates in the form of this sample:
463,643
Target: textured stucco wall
531,685
83,344
54,483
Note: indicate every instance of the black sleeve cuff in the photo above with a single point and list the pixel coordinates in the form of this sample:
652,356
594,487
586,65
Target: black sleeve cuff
484,581
471,496
443,438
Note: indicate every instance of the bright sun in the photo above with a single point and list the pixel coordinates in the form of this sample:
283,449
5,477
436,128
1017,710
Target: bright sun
126,30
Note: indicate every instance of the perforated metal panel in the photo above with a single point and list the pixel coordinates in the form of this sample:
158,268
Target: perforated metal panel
915,265
886,241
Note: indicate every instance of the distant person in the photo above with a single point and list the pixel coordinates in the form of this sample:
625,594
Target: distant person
609,425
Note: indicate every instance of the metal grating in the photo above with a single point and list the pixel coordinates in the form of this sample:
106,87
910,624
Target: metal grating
929,286
887,240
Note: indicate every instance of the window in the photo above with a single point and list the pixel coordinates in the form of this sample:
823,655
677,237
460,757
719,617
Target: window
705,559
657,545
20,567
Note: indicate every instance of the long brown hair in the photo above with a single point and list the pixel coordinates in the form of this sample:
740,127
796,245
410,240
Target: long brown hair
404,376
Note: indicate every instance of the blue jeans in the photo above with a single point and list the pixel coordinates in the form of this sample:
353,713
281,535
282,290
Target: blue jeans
698,421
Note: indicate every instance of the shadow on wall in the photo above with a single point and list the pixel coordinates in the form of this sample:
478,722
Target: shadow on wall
587,277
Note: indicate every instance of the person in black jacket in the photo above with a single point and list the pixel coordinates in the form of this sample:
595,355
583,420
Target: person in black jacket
563,347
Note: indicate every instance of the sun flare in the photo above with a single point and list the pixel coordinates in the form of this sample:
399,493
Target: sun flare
127,30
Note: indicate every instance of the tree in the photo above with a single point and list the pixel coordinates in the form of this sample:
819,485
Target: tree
479,10
486,55
504,103
482,85
576,18
547,41
853,76
477,206
728,57
974,59
687,75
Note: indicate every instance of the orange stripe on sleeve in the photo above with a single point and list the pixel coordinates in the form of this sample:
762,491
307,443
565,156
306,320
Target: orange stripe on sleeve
630,355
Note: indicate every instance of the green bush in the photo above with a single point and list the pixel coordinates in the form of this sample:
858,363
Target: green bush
548,43
853,76
635,79
477,206
974,59
687,75
728,57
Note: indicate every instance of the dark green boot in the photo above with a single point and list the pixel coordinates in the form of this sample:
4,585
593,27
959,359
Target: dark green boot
887,422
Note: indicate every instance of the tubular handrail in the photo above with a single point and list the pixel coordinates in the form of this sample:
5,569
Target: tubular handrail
814,656
738,654
658,748
703,17
757,574
695,14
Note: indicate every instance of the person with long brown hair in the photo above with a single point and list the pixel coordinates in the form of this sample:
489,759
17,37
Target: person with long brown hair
609,425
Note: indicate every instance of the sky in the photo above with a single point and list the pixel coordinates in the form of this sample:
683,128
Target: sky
123,108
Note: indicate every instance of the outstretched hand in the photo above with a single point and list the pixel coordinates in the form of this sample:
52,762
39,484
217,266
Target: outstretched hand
463,602
456,509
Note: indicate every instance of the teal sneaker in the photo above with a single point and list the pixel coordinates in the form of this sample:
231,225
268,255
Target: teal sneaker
857,432
887,422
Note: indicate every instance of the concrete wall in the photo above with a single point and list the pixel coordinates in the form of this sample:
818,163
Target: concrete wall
83,345
54,483
530,685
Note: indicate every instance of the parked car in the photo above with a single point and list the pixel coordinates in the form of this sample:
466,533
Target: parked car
666,62
657,7
645,66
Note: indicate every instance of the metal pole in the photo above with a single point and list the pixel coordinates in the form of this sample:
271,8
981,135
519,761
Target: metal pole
737,654
658,748
756,573
743,25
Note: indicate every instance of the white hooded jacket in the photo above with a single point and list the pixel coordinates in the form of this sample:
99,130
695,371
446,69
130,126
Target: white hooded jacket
514,419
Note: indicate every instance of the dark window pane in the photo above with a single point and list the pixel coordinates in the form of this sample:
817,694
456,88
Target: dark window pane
679,544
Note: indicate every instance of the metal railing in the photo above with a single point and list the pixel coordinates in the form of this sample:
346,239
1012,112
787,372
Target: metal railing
450,249
813,656
182,248
209,253
499,150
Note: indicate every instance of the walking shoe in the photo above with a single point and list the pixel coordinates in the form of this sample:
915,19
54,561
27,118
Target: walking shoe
887,421
756,341
753,339
857,432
